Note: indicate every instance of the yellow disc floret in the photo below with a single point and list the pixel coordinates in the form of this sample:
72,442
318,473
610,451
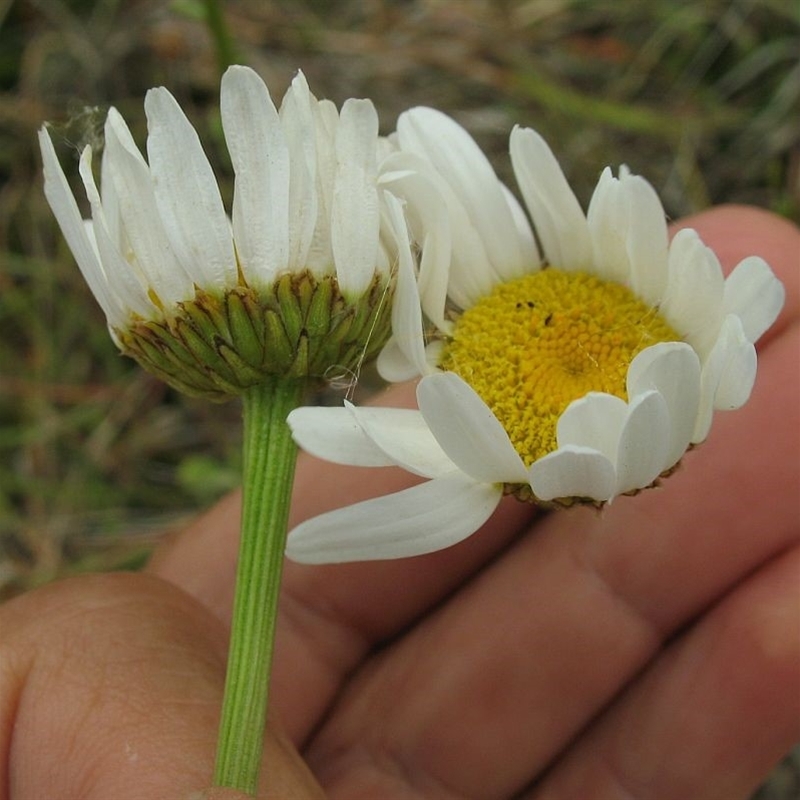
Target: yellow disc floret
537,343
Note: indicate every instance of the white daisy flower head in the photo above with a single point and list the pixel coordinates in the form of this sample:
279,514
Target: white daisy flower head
296,281
569,359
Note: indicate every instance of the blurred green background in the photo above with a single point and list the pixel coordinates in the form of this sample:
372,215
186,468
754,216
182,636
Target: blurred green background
97,459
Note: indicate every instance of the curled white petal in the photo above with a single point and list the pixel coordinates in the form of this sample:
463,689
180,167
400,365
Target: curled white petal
608,221
692,301
393,364
629,234
456,156
370,437
594,421
646,239
727,376
404,436
65,209
333,434
755,295
467,430
643,442
573,471
140,225
673,370
407,329
426,211
557,216
128,288
524,233
422,519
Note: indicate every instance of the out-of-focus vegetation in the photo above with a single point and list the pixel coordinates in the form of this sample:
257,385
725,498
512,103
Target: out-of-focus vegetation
96,457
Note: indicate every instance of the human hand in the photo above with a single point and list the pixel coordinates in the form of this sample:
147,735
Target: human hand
652,649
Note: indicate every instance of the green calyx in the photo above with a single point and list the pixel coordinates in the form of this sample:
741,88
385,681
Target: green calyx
218,345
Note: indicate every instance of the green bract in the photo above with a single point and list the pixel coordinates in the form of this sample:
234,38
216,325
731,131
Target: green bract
216,346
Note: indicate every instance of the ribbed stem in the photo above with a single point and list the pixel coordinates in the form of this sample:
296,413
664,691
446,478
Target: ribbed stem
270,455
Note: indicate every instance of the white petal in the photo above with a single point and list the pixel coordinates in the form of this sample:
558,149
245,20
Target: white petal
472,274
728,374
573,471
111,208
557,216
673,370
325,119
393,364
65,209
334,435
406,312
406,439
692,301
355,221
461,268
126,286
188,195
406,176
755,295
425,518
260,157
524,231
297,120
643,443
457,157
467,430
647,241
608,221
738,377
140,221
593,421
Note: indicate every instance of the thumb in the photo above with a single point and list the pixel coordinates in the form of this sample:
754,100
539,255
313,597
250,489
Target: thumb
111,686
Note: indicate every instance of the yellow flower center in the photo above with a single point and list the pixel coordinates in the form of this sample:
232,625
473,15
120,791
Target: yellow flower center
537,343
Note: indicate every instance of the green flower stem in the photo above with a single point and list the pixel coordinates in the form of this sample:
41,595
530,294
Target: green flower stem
270,455
223,41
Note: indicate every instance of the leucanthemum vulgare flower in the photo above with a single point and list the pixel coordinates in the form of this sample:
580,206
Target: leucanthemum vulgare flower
573,365
296,282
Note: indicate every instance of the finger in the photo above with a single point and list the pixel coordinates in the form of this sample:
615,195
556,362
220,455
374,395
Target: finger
503,676
331,615
714,714
110,686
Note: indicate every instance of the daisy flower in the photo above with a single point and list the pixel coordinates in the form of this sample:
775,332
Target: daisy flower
296,282
567,360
